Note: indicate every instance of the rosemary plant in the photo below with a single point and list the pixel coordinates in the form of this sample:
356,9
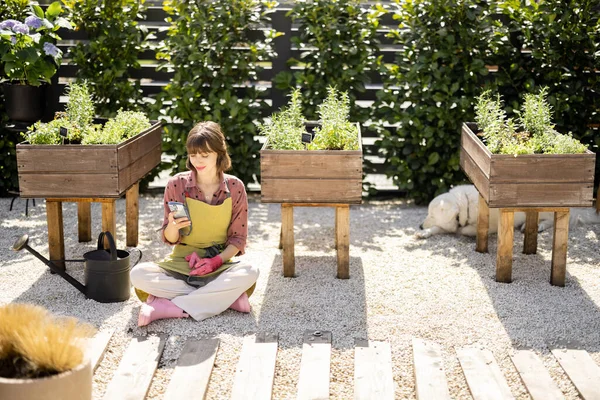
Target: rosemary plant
336,131
284,131
531,133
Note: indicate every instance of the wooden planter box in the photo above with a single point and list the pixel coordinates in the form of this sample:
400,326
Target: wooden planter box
529,180
86,171
311,176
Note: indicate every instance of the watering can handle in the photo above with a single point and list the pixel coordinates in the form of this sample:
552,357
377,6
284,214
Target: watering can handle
111,243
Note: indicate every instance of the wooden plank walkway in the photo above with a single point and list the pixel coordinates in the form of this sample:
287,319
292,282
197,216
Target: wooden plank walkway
373,369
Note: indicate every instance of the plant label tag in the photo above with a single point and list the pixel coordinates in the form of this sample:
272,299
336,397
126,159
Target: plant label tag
306,138
64,131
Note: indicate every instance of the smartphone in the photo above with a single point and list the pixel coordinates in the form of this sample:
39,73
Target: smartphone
181,211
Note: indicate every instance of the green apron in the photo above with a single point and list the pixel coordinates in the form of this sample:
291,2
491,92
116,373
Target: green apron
209,228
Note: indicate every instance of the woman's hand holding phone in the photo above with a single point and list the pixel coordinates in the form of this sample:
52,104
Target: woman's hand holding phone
174,225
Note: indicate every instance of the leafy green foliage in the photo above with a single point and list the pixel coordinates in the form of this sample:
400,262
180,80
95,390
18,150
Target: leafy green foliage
80,108
336,132
120,128
284,130
28,50
339,45
429,92
78,120
203,49
533,133
107,59
13,9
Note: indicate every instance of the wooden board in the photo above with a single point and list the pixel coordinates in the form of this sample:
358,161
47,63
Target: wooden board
582,370
540,195
536,378
135,171
256,368
313,382
195,365
136,147
311,164
475,174
97,347
311,190
543,168
373,378
475,148
68,185
97,159
430,378
484,378
136,369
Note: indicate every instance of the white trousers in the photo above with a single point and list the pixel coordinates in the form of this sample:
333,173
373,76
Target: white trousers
200,303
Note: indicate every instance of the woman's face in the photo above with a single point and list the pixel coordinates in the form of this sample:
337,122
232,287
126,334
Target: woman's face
205,163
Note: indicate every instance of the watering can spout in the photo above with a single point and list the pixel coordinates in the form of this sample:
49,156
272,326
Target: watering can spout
106,272
21,243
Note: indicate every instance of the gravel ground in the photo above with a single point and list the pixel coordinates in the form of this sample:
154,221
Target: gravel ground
438,289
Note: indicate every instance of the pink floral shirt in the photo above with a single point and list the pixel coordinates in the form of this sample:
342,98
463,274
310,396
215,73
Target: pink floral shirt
184,185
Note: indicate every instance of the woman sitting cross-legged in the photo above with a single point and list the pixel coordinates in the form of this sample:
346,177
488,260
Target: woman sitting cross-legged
199,277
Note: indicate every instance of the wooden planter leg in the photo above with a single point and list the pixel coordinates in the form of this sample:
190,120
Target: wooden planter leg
483,223
531,232
109,221
559,248
342,239
505,246
132,208
84,221
287,233
281,237
56,244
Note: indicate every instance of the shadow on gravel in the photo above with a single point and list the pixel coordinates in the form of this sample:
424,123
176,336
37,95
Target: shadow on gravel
315,300
534,313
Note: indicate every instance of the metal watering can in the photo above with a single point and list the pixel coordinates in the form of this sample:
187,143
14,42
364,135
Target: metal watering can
106,272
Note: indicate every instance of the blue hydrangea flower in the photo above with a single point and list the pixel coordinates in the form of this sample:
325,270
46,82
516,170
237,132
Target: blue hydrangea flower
33,22
13,40
50,49
8,24
20,27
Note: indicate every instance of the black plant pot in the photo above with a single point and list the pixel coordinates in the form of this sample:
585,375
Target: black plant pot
24,103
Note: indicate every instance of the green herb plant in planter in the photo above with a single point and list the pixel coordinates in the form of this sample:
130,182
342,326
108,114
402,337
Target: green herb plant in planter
43,356
327,170
524,161
30,57
78,155
532,132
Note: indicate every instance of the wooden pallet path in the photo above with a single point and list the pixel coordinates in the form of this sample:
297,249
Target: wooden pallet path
373,369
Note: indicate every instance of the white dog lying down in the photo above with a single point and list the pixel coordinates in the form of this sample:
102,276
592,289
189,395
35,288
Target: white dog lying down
456,212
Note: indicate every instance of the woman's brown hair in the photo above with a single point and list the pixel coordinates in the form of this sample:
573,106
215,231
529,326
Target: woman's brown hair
206,137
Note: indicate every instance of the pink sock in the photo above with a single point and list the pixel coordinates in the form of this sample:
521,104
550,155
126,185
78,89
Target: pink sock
242,304
158,308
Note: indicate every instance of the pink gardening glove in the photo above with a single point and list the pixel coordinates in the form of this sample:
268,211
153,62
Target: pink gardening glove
206,266
192,259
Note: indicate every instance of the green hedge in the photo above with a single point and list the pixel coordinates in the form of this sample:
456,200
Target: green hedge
340,38
428,92
106,60
201,48
447,46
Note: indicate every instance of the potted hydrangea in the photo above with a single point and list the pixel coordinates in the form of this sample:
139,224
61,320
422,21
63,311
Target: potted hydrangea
30,59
